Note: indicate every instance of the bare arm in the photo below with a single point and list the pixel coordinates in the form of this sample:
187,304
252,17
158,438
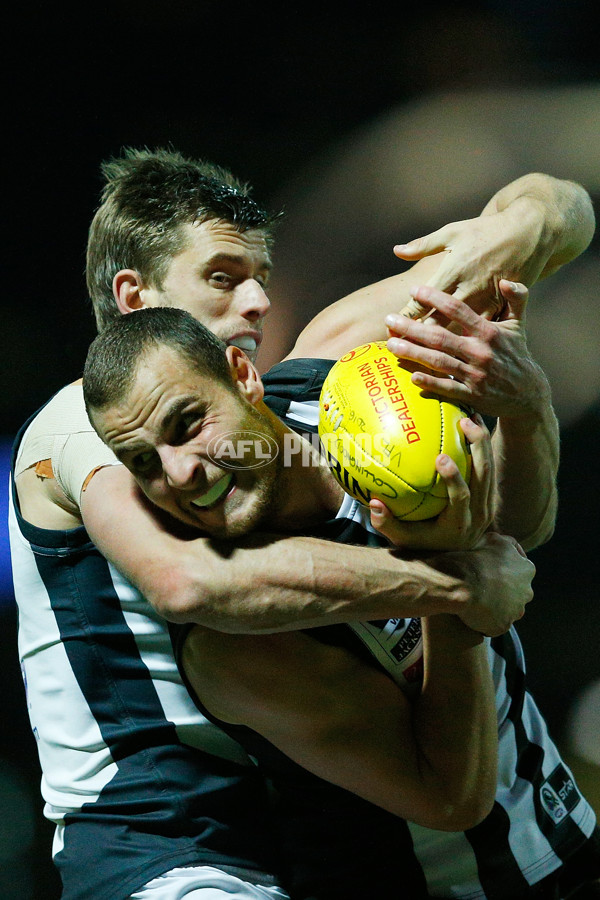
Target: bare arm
526,231
567,222
266,583
359,317
431,760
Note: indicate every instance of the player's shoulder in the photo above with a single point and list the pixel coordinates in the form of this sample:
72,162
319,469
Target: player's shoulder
292,391
55,453
65,408
295,379
64,411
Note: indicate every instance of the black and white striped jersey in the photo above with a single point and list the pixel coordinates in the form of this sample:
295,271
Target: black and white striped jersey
136,780
540,817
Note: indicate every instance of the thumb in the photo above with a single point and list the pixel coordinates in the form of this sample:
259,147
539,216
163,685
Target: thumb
516,296
381,518
427,245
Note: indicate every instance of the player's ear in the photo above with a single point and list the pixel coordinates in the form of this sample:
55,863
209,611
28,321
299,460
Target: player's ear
245,375
127,290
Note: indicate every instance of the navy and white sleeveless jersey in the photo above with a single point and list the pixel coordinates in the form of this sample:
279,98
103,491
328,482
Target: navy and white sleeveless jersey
540,818
135,778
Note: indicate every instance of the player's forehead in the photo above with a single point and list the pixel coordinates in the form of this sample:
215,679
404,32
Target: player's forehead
164,386
216,240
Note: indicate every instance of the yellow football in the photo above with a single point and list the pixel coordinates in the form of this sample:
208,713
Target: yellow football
381,433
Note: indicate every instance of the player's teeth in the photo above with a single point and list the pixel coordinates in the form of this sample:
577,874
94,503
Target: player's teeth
244,343
214,493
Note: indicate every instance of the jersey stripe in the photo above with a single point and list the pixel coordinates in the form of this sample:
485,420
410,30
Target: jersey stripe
134,800
539,818
532,763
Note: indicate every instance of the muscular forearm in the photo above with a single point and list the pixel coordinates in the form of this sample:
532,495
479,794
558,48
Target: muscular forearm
455,721
526,452
262,583
284,584
266,584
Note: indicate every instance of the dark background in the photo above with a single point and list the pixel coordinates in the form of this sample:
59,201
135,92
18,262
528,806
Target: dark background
267,93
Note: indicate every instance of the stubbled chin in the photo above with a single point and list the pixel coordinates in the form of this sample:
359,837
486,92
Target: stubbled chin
213,521
229,523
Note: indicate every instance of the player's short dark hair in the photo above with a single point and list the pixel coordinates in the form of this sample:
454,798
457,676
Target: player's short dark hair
115,354
147,199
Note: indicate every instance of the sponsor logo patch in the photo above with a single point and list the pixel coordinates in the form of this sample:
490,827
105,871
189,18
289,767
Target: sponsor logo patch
559,794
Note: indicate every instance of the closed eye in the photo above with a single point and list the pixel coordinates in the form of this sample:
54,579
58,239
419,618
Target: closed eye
142,463
188,426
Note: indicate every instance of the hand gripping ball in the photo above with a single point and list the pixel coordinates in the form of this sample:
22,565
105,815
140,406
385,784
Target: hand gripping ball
381,433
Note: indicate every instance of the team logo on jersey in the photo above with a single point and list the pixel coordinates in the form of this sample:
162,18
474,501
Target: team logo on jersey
559,794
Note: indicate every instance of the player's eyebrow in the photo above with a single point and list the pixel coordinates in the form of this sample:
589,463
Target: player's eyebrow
170,415
239,259
174,410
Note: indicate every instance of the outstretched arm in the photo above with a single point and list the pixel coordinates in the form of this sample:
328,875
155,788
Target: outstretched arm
266,583
528,230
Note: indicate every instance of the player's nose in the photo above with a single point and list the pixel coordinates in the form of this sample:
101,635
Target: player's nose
180,467
253,301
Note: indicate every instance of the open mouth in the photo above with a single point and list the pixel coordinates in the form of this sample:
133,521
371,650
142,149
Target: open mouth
215,493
